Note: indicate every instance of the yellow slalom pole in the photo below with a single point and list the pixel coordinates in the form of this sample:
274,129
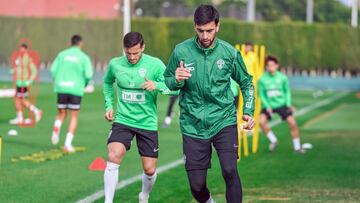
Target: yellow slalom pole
239,121
0,148
259,72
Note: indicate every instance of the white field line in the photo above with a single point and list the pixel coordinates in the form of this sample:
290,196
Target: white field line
123,183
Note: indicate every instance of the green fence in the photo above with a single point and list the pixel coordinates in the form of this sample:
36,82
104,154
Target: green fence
296,44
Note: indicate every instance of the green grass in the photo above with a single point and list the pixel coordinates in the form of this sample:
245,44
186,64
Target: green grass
329,172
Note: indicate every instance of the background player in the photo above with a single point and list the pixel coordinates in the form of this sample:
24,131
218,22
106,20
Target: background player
71,71
25,72
275,95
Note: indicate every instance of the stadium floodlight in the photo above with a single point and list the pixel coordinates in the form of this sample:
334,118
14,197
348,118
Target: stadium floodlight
127,20
251,10
309,11
354,13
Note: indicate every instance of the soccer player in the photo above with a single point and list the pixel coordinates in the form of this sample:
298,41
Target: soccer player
201,68
139,78
275,95
170,113
71,71
25,73
250,58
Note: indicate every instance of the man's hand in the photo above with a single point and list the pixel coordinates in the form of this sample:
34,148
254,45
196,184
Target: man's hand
148,85
250,123
182,73
109,115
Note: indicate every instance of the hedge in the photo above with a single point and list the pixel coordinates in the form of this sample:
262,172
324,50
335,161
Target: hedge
296,44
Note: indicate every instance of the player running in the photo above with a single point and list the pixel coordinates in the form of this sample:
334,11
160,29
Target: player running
139,78
25,73
71,71
275,95
201,68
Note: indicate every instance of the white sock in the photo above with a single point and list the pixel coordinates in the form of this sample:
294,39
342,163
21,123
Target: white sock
111,176
147,184
296,143
34,109
68,139
271,137
19,116
57,124
210,200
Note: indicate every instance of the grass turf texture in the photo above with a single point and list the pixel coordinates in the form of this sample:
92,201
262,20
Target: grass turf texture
329,172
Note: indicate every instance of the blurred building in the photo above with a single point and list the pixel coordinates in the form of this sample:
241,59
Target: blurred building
104,9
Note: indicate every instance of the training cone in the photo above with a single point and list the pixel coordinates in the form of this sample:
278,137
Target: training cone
99,164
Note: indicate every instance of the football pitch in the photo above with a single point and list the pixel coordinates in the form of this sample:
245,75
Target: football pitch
330,172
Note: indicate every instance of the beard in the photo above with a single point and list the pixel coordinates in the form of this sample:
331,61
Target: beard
207,44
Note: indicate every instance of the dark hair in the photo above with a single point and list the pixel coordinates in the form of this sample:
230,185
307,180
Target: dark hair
271,58
133,38
23,45
205,14
248,43
75,40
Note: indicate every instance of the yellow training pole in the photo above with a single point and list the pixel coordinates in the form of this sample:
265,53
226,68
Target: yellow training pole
259,72
0,148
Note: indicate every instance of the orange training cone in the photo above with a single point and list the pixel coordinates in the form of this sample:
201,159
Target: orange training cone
99,164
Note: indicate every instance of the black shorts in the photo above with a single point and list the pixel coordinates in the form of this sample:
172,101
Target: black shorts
283,111
147,140
197,152
21,92
68,101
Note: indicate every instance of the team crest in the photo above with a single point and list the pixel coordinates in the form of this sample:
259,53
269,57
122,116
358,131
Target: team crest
142,72
220,64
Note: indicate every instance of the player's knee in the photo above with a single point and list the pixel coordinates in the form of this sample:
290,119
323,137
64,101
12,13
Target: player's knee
114,157
229,172
149,170
197,186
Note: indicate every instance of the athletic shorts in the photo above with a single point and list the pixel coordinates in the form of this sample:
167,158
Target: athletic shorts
146,140
283,111
68,101
197,152
21,92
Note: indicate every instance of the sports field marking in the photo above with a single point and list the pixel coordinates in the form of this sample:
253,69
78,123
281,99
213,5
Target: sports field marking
123,183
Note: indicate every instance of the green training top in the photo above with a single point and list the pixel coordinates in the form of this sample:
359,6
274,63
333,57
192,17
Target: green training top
71,71
136,107
25,71
206,101
274,90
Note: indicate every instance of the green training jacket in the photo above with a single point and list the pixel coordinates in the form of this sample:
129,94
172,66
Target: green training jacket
136,107
71,70
274,90
206,101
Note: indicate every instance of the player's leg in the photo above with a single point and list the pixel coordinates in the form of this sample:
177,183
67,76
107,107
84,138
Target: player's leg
74,114
169,112
294,130
74,107
36,111
226,145
197,155
263,122
119,142
286,115
19,95
148,146
62,105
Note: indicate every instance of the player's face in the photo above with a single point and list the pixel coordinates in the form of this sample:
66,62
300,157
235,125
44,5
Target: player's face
207,33
134,53
23,49
271,66
248,48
